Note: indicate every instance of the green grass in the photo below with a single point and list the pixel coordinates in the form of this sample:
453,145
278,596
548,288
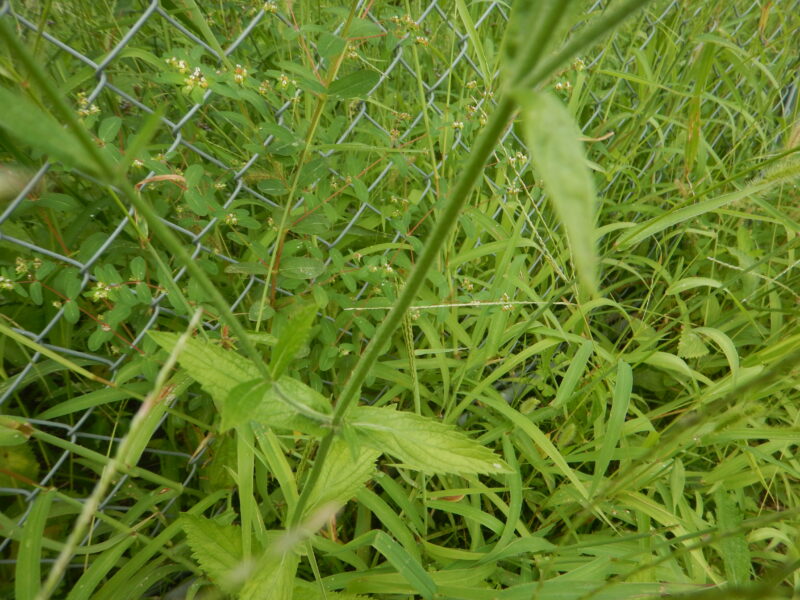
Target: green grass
640,437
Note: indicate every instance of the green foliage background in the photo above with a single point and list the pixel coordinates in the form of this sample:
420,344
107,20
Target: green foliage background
650,428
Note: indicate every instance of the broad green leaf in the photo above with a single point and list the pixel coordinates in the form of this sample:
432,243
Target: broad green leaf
346,470
28,578
217,471
18,466
247,268
361,28
613,432
13,432
553,139
216,369
33,127
109,128
690,345
216,548
302,268
283,404
273,577
355,84
292,337
330,45
424,444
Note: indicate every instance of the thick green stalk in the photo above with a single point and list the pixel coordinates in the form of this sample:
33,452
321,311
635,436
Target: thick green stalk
472,171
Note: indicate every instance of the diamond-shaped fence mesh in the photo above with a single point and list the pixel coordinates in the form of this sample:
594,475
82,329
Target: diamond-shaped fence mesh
238,91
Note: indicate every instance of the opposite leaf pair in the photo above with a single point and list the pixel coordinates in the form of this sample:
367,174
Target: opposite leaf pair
241,396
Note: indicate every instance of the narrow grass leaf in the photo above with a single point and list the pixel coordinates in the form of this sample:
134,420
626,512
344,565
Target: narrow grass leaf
633,236
613,432
573,374
675,364
27,573
405,564
128,573
469,512
96,398
475,41
553,139
689,283
100,567
540,439
32,126
725,344
424,444
389,520
304,590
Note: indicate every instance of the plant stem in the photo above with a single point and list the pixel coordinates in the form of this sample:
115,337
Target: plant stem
272,275
125,455
472,171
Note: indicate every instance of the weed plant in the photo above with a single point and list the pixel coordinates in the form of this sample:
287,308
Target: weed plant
399,299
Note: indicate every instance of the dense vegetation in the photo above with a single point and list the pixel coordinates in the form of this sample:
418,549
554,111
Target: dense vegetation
398,299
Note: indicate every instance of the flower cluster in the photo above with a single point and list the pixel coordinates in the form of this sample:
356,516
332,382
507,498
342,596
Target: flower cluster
284,81
270,7
100,291
507,306
401,204
196,79
239,74
476,109
519,157
180,65
86,108
406,22
6,283
22,266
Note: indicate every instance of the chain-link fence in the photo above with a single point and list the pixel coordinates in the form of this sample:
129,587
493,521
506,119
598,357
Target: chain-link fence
237,100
